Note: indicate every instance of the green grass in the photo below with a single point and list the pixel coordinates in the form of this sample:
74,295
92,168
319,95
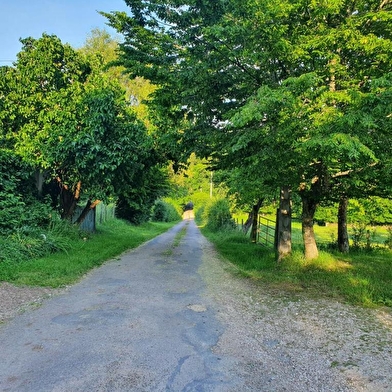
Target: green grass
179,236
326,235
60,269
176,242
362,278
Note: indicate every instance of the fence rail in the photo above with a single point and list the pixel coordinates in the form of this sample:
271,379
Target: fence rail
266,231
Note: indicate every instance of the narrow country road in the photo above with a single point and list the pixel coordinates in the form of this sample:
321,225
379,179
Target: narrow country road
169,316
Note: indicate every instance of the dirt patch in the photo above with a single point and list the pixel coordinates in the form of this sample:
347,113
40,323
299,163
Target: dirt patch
17,299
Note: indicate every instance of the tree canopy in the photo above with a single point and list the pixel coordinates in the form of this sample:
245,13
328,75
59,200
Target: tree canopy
70,121
292,93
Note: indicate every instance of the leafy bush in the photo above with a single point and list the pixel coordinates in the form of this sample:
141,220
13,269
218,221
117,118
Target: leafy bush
362,237
159,212
219,216
136,200
176,203
164,212
20,205
132,211
172,213
201,215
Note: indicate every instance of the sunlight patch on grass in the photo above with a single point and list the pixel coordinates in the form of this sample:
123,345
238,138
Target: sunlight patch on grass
328,263
358,282
358,277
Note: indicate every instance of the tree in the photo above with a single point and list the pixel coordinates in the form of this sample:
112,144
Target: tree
150,182
72,124
200,74
102,51
270,87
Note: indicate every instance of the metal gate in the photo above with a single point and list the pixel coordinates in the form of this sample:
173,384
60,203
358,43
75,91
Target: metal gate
266,232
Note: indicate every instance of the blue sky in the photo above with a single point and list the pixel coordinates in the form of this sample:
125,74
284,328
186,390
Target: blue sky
70,20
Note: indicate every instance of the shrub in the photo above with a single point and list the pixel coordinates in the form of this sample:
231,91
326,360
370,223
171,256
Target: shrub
200,215
19,203
164,212
176,203
219,216
132,211
362,237
159,212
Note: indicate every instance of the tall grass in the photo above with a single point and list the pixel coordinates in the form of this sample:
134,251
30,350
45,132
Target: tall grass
86,252
27,242
360,277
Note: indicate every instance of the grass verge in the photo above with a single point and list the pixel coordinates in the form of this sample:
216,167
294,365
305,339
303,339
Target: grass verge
361,278
61,269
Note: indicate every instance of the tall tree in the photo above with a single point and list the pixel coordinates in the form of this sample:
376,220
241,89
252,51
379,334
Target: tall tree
72,123
102,51
266,85
136,198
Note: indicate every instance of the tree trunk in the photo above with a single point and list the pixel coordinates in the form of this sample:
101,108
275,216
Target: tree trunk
343,244
252,222
255,215
69,199
40,177
89,206
308,210
248,222
284,224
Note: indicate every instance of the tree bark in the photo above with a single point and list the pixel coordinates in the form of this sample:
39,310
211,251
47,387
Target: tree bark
255,215
248,222
308,210
343,243
90,205
253,233
284,224
69,199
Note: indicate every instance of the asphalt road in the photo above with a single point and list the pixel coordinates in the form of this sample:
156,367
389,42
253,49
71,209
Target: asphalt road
168,316
140,323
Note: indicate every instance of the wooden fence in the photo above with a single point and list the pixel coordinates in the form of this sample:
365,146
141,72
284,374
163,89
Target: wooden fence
105,212
100,214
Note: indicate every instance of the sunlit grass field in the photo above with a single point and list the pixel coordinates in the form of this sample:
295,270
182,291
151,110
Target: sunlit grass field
327,235
362,277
